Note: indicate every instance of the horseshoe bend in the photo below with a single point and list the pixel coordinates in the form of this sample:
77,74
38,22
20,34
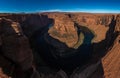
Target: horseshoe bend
59,45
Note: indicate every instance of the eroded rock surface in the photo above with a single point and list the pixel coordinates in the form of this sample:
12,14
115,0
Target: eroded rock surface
117,27
2,75
111,62
14,43
15,46
60,32
64,30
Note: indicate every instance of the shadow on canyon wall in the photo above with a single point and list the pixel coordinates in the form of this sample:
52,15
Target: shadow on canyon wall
100,49
45,59
69,58
7,62
16,57
84,54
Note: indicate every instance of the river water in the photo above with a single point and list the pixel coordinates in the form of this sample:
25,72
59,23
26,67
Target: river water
74,58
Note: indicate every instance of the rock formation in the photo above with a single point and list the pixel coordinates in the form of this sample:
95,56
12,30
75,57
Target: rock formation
62,39
117,27
15,45
2,75
64,30
11,34
111,61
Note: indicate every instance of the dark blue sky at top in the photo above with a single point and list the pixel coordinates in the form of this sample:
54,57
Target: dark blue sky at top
60,5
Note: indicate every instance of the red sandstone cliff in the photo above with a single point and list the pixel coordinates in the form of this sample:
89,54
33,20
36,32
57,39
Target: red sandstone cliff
15,47
105,26
64,30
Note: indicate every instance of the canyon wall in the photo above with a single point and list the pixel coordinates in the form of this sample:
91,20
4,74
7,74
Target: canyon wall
98,23
64,32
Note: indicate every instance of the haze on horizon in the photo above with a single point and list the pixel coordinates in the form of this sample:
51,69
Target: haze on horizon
31,6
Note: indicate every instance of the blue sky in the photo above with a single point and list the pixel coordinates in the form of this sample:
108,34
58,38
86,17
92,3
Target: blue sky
100,6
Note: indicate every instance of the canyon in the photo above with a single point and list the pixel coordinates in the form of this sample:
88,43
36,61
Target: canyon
60,45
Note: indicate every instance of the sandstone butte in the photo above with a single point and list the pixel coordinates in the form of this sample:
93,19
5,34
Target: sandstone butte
17,29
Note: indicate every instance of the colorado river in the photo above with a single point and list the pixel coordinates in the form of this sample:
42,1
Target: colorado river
75,57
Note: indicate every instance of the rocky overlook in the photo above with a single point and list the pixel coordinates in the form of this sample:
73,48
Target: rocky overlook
60,45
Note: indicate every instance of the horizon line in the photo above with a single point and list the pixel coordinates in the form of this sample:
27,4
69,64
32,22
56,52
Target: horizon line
70,11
